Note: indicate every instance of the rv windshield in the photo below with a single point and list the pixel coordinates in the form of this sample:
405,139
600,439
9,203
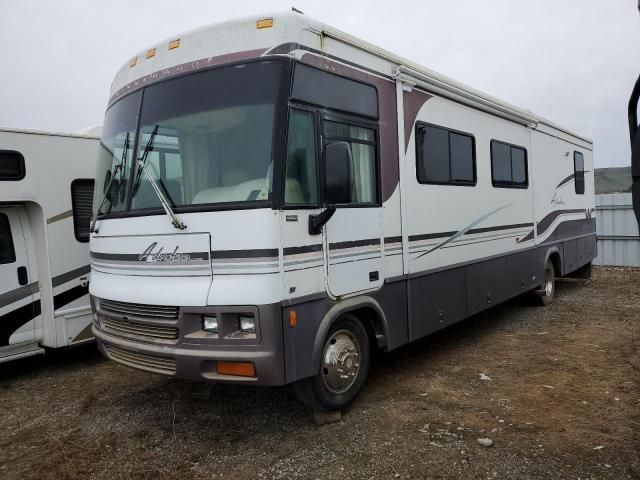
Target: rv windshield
213,142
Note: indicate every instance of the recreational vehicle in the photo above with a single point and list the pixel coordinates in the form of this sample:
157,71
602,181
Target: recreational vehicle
276,199
46,189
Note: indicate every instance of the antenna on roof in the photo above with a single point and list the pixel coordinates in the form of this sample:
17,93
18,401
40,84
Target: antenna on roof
294,9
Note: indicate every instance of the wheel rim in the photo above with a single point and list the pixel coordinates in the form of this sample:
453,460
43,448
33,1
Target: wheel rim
340,362
548,283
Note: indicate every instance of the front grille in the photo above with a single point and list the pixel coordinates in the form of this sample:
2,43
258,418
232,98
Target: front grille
140,310
152,332
150,363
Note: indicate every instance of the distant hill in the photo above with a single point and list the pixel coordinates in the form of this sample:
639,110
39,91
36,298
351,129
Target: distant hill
613,180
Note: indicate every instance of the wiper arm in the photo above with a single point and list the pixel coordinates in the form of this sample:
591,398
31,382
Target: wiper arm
175,221
107,190
143,158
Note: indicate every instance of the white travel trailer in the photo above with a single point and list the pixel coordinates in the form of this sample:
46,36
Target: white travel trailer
46,189
281,198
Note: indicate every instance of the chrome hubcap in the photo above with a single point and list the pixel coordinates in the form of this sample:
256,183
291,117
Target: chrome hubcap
548,283
340,362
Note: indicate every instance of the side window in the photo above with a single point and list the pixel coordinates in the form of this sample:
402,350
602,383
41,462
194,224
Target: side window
578,168
508,166
11,165
444,156
301,180
7,252
81,204
363,151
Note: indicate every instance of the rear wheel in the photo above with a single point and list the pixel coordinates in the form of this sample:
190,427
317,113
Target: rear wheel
548,291
344,366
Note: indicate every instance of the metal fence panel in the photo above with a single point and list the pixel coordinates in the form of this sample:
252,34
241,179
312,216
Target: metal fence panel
618,237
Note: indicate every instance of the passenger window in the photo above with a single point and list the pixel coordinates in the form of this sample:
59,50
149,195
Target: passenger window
578,168
508,166
7,252
444,156
301,180
363,151
81,204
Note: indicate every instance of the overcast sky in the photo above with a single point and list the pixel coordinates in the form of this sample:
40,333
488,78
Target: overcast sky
572,61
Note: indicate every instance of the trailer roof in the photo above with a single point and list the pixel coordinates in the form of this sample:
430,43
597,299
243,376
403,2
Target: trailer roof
49,133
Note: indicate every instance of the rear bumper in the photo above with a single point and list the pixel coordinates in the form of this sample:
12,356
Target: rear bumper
197,361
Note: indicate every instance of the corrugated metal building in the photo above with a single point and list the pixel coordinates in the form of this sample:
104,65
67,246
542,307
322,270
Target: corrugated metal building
618,237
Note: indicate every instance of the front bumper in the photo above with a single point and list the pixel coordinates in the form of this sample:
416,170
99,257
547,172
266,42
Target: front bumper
197,361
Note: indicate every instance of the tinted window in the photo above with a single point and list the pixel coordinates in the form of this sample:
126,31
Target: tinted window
461,157
11,165
578,167
363,152
508,165
444,156
300,170
81,203
7,252
318,87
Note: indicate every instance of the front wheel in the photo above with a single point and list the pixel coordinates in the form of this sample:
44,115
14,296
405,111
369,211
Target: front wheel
344,366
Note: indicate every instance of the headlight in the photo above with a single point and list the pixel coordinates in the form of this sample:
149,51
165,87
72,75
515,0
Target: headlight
247,324
210,324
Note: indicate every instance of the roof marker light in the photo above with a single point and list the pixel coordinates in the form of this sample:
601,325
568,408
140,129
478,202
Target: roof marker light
174,44
264,23
132,62
151,53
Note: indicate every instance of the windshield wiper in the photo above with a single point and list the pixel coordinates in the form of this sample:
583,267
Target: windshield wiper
143,158
175,221
107,190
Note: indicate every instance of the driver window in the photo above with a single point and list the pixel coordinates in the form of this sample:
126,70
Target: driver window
301,185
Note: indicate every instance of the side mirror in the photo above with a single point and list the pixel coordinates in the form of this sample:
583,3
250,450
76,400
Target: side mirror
338,173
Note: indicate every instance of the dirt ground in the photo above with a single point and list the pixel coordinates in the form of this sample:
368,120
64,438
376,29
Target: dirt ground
563,402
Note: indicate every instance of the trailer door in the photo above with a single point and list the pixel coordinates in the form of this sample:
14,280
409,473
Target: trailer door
17,306
353,242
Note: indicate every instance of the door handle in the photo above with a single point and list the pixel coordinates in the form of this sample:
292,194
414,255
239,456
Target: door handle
23,276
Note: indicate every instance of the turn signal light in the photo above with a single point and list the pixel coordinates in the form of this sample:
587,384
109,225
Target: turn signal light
239,369
293,319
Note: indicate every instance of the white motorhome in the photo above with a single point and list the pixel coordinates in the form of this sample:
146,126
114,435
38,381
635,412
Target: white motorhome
46,190
282,198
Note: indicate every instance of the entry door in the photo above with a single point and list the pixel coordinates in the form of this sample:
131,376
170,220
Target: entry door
16,298
353,236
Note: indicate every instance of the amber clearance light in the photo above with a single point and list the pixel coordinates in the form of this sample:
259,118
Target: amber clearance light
239,369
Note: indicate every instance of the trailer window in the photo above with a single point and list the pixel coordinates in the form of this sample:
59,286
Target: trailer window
81,204
578,168
7,252
508,165
11,165
363,152
444,156
301,184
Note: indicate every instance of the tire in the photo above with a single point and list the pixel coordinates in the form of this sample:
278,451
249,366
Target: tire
546,294
329,390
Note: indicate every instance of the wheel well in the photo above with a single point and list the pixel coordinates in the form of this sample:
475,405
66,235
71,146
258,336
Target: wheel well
554,258
372,322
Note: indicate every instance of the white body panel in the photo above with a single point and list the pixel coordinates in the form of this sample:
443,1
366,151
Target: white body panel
58,263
